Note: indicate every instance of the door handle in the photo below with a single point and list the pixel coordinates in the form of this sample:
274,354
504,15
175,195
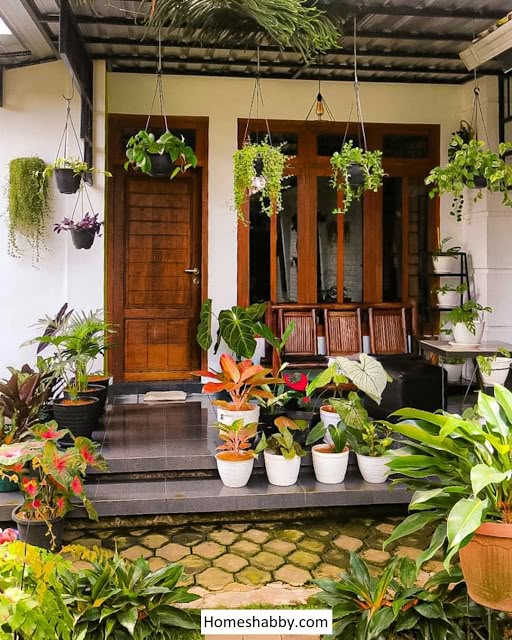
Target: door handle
194,271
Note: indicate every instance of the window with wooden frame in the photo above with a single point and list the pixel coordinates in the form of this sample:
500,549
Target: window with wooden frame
375,253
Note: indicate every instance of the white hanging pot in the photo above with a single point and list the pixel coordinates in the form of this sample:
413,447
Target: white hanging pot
445,264
448,299
281,471
226,416
329,467
328,417
453,372
234,472
462,335
499,371
373,469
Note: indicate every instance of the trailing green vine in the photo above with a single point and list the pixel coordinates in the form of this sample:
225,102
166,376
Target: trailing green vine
268,185
28,205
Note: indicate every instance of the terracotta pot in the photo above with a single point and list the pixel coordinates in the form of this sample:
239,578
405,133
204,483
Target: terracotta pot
37,532
487,566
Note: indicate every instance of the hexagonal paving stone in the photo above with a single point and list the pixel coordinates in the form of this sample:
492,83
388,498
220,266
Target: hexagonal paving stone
186,580
323,534
188,538
375,556
347,543
70,535
385,528
312,545
156,563
253,576
337,558
433,566
90,542
304,559
194,564
173,552
267,561
238,527
408,552
214,579
259,537
292,575
209,550
291,535
132,553
153,541
328,571
119,542
223,537
245,548
231,563
355,530
281,547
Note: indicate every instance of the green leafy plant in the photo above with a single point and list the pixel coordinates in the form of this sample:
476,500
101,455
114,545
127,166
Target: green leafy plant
236,438
485,362
28,205
453,360
467,313
337,432
370,163
268,185
470,161
78,166
459,468
445,288
443,250
142,144
284,442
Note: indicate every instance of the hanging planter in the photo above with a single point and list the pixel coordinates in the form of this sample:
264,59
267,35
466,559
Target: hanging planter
83,231
165,156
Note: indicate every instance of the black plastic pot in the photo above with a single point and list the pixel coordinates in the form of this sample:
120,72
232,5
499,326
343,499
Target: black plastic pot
266,422
94,391
37,532
161,165
67,181
480,182
355,175
80,419
311,417
82,239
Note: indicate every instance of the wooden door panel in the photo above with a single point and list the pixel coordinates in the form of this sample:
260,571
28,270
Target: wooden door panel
152,242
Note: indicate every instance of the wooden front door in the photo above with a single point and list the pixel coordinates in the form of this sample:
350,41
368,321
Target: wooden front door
155,301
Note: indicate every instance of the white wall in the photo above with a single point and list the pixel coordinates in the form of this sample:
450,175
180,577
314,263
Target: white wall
31,124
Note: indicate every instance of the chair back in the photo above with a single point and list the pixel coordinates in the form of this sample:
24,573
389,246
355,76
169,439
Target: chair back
388,331
302,341
343,335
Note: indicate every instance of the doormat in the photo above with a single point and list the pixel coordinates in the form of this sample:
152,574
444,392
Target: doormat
165,396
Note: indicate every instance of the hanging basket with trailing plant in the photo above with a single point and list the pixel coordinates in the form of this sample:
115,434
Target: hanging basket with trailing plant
28,205
258,168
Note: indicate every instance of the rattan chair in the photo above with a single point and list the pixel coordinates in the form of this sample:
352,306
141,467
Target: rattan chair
388,331
343,335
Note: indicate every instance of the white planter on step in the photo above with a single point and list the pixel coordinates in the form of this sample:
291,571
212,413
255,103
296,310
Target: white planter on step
373,469
234,473
453,372
281,471
328,418
499,371
330,468
448,299
462,335
445,264
248,416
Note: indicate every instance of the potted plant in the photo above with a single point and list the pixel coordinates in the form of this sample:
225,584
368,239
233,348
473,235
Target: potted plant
494,369
258,168
453,368
164,156
460,470
473,166
467,322
371,443
235,459
48,478
354,171
27,205
449,295
69,173
445,259
83,231
329,460
282,451
243,381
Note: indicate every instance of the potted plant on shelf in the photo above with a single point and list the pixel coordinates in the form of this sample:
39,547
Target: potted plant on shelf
282,451
494,369
165,156
446,259
453,368
449,295
258,168
330,461
235,459
243,381
466,322
354,171
473,166
460,470
371,442
49,479
83,231
69,173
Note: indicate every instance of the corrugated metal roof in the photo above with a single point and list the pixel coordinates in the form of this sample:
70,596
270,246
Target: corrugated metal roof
396,42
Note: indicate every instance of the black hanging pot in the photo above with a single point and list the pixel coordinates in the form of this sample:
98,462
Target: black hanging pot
161,165
480,182
46,534
82,239
355,175
67,180
258,166
80,416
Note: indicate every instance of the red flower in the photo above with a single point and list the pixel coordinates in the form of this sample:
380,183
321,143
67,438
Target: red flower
306,400
76,486
296,381
30,486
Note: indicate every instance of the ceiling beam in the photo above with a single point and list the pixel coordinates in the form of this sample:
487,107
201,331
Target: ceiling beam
23,18
366,8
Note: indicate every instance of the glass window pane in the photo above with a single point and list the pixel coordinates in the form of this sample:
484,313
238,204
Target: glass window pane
392,240
328,143
290,141
259,253
287,257
405,146
327,263
353,253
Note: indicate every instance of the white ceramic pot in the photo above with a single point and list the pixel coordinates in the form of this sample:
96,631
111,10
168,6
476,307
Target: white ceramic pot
462,335
330,468
328,418
499,371
453,372
281,471
248,416
372,469
448,299
445,264
234,473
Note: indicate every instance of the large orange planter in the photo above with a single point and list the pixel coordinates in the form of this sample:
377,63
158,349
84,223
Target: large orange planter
487,566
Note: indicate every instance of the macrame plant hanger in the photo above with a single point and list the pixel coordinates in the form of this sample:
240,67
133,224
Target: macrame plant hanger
256,100
159,89
357,101
64,141
320,104
477,111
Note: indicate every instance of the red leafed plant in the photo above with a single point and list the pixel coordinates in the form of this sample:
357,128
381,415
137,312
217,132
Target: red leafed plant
50,478
236,438
242,381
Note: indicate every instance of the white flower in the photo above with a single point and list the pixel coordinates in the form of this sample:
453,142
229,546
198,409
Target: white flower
258,184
